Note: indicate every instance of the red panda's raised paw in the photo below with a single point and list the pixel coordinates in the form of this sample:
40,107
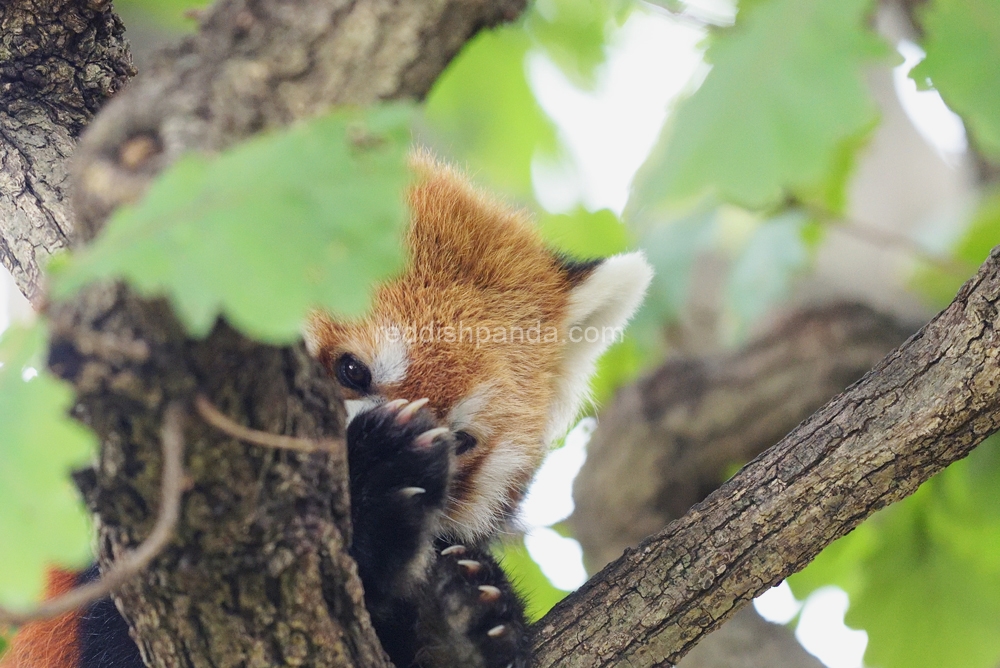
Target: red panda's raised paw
472,607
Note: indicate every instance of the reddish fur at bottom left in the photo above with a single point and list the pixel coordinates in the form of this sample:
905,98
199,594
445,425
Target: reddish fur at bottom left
51,643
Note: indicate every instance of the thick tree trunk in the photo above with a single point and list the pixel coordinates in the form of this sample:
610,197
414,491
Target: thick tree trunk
257,574
60,60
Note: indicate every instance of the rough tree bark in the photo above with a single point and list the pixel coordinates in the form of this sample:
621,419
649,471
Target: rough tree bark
60,60
676,435
923,407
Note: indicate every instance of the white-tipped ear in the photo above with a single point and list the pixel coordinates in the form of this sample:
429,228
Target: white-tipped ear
599,308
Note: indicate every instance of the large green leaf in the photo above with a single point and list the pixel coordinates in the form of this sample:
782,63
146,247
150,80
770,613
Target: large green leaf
779,114
42,519
962,41
923,576
306,218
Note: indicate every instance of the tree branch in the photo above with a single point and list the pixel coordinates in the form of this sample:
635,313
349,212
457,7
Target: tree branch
924,406
260,65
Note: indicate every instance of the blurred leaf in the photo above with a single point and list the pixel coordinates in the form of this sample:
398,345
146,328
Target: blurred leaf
762,275
584,234
168,14
481,110
528,579
42,518
672,248
923,575
781,112
287,222
574,33
620,365
938,286
962,41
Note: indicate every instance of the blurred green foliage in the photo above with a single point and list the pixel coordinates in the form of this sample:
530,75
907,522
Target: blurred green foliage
785,95
923,575
287,222
963,57
170,15
528,579
42,521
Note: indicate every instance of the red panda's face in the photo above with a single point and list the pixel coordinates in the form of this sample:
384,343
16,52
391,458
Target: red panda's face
480,324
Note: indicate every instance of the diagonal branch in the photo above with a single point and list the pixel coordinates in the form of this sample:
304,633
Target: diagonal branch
927,404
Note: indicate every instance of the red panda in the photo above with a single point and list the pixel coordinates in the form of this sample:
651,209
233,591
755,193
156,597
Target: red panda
465,370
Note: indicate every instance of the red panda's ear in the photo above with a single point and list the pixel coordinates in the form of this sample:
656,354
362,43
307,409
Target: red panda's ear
603,297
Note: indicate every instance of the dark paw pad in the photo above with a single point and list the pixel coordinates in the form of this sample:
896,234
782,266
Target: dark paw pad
399,456
475,607
400,467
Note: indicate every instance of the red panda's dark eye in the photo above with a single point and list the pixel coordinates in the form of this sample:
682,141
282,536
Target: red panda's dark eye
352,373
466,442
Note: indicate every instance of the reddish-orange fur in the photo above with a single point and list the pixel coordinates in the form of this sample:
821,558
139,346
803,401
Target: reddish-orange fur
52,643
474,263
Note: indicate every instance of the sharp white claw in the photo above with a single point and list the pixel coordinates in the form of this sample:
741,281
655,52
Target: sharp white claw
497,631
410,492
488,593
454,549
396,404
403,416
426,438
471,566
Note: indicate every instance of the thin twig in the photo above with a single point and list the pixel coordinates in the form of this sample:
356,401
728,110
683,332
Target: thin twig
223,423
171,490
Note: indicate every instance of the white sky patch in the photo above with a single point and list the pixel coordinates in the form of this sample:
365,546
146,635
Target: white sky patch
550,500
778,605
609,131
822,632
932,118
550,497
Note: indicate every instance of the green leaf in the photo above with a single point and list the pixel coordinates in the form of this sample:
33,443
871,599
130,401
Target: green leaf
481,110
585,234
962,41
291,221
672,248
42,519
762,275
923,575
574,33
781,112
164,14
531,583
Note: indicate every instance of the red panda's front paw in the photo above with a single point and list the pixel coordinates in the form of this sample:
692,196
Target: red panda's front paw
400,469
471,604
